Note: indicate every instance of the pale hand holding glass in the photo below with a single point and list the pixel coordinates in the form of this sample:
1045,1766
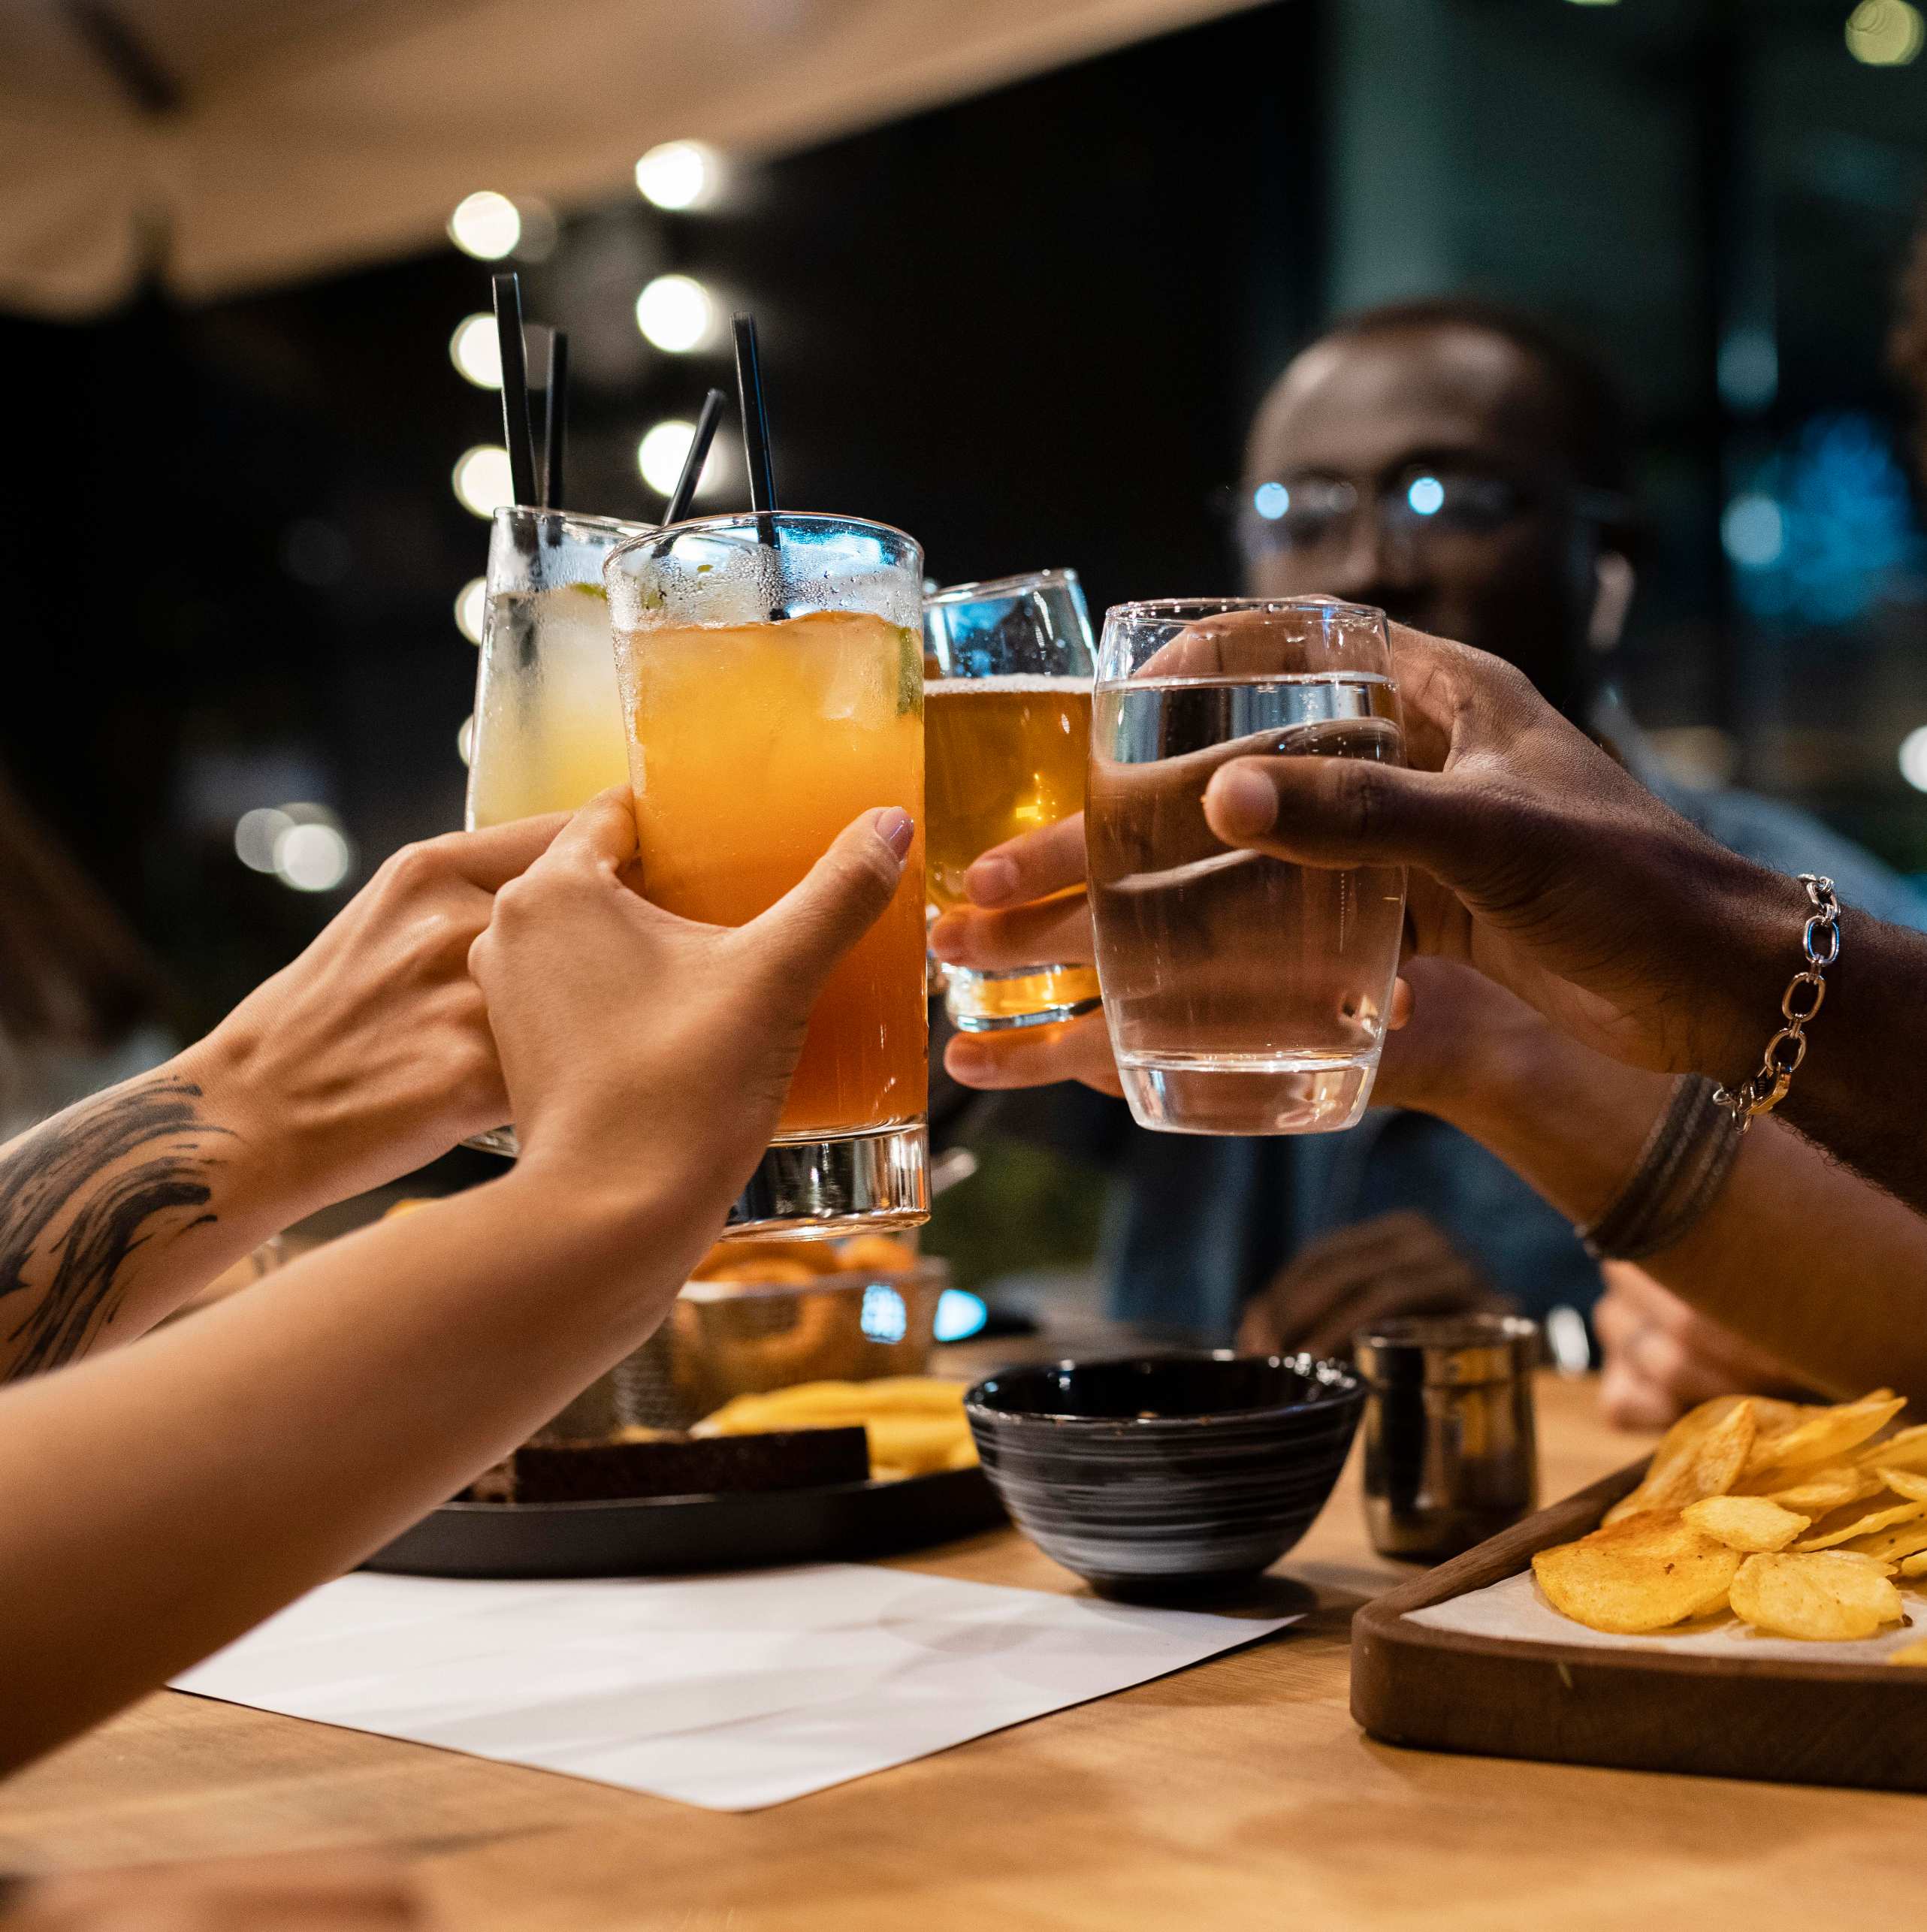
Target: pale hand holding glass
1243,994
1006,702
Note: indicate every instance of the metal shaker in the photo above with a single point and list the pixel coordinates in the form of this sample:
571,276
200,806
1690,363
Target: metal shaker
1451,1456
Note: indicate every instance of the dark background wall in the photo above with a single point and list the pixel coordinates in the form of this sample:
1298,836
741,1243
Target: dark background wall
1029,328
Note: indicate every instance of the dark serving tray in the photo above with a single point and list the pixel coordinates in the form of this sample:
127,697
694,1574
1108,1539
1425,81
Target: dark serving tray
650,1535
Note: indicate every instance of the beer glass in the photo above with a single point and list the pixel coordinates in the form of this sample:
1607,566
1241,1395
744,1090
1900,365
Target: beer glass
771,672
548,731
1243,994
1006,721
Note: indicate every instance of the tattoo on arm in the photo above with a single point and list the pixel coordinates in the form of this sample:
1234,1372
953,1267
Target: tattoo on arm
78,1173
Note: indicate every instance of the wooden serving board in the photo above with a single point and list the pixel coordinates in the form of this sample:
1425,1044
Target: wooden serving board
1792,1723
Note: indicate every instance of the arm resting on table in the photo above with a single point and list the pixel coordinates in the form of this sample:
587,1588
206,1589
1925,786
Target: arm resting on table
163,1499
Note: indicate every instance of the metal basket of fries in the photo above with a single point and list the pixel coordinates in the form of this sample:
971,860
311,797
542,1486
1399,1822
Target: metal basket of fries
764,1316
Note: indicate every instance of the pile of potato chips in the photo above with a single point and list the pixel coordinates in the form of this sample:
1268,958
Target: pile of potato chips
1796,1519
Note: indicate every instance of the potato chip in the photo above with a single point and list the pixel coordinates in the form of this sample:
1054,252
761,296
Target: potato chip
1813,1597
1704,1461
1750,1524
1880,1563
1889,1545
1914,1653
1905,1449
1821,1490
1825,1435
1908,1482
1860,1522
1667,1484
1724,1452
1915,1565
1642,1573
1773,1417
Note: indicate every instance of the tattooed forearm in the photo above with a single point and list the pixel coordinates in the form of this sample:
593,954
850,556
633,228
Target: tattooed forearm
79,1196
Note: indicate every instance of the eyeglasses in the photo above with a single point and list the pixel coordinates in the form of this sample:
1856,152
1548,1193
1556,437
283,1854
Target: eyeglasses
1422,503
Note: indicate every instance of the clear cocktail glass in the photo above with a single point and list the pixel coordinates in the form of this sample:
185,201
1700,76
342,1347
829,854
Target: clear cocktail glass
1007,720
1243,994
548,731
771,670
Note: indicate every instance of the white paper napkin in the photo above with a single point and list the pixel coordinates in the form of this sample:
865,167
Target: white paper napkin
730,1692
1517,1608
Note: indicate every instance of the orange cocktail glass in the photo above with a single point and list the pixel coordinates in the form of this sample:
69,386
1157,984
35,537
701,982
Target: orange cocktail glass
771,671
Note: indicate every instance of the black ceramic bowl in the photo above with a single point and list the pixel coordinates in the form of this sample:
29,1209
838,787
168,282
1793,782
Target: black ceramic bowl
1170,1476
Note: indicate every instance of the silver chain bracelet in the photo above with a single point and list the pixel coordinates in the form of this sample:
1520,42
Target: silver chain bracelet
1820,941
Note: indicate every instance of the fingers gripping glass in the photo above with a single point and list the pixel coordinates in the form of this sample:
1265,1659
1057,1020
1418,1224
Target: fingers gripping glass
1006,709
1243,994
547,728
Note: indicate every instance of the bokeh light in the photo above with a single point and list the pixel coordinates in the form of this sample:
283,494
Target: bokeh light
1885,33
483,479
1271,500
1913,758
302,844
472,607
1753,531
679,174
312,857
465,739
256,834
475,349
676,314
486,225
959,1314
660,454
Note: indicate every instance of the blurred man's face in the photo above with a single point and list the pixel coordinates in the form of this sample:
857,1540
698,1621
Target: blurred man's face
1422,470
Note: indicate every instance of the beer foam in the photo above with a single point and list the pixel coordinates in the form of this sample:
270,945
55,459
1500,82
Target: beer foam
1035,683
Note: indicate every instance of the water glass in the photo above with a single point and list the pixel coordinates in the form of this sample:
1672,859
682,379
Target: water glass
1244,995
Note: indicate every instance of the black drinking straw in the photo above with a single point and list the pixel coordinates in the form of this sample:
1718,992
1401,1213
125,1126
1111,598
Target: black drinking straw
555,421
515,430
756,430
699,454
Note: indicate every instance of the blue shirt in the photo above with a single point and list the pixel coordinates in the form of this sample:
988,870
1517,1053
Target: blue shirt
1205,1222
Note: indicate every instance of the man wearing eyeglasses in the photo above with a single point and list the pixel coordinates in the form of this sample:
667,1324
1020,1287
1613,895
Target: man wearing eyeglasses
1465,470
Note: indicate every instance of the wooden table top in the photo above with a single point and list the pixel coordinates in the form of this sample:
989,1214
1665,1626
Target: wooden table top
1236,1794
